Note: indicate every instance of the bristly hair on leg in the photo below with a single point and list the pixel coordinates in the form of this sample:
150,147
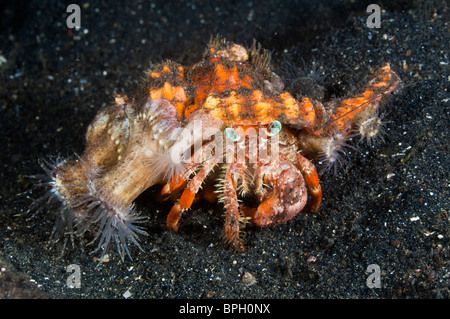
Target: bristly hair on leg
219,186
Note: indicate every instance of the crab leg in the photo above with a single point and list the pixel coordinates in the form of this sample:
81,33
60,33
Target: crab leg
174,186
188,195
383,82
311,177
179,182
232,215
194,184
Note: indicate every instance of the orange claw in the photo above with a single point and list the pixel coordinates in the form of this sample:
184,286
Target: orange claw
263,216
287,200
187,198
173,217
311,177
174,186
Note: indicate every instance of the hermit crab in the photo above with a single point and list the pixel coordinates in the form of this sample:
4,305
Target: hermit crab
220,129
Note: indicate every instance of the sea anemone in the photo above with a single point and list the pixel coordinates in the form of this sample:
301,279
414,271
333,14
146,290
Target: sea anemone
84,206
111,218
128,150
334,151
371,128
54,198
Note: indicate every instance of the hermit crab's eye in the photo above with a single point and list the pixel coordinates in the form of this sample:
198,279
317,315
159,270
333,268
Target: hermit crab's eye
231,134
275,127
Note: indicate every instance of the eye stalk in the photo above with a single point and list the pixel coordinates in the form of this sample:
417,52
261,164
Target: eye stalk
275,127
231,134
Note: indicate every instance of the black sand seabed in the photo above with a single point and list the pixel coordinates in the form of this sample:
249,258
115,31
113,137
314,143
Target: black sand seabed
388,207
